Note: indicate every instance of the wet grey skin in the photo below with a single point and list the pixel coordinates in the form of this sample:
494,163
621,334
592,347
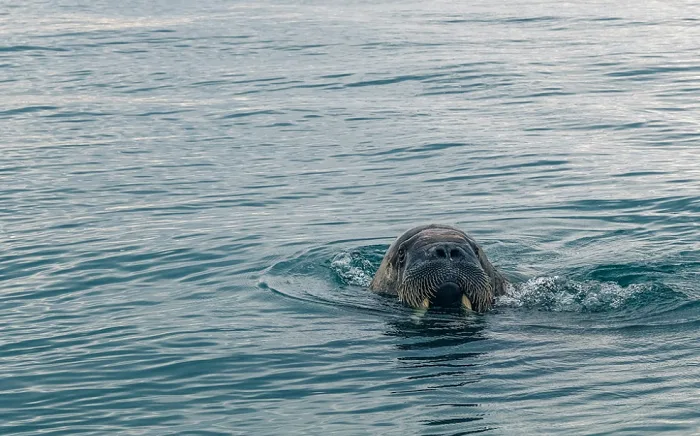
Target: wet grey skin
439,265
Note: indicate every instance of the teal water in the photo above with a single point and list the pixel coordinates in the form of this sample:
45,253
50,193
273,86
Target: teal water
194,195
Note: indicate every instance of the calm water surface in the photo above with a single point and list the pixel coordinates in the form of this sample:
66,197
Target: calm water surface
194,195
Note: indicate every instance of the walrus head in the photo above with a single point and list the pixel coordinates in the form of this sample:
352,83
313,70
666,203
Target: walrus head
438,265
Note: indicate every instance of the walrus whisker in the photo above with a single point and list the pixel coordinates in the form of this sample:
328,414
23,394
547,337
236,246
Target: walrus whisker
414,292
475,286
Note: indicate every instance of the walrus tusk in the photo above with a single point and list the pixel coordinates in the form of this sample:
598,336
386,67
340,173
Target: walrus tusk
466,303
420,311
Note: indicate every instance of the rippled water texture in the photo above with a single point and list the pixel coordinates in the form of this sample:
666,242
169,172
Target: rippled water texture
194,196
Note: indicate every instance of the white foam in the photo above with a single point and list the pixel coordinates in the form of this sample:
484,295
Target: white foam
352,268
558,294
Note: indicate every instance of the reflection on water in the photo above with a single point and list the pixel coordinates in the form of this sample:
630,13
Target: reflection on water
438,350
437,329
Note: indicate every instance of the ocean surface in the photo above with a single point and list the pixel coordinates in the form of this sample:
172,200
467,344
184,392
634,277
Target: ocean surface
194,196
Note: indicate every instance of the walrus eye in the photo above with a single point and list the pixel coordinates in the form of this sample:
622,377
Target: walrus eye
476,249
402,256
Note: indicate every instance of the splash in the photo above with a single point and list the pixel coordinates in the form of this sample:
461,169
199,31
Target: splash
558,294
353,268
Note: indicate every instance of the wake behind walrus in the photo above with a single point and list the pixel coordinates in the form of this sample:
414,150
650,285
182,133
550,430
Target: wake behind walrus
439,265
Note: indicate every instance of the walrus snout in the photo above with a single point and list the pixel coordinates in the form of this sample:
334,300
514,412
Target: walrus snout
450,264
427,281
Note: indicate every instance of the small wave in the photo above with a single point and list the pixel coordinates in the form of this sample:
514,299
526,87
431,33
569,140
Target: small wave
324,276
558,294
353,268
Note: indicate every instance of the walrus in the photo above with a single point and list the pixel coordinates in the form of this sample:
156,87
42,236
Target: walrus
439,265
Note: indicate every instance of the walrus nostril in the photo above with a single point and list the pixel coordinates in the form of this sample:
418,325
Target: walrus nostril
447,251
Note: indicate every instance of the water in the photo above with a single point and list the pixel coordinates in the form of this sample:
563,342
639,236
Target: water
194,196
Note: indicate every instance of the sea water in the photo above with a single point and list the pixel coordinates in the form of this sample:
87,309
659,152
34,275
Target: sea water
194,196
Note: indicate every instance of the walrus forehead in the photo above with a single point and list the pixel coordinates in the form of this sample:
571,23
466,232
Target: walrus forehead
431,236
